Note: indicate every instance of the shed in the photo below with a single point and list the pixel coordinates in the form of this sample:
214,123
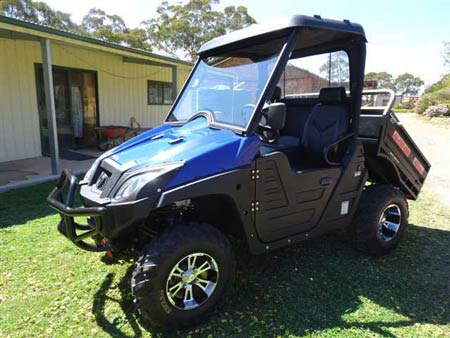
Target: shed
57,86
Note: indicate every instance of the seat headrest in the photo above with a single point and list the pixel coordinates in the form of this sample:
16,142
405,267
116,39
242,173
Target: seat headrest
332,95
276,95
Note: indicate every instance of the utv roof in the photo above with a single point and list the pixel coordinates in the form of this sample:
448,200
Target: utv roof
319,32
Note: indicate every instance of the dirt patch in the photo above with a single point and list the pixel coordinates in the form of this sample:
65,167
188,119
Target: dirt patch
434,141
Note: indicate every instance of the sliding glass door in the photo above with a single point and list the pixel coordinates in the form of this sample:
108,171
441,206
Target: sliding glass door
75,104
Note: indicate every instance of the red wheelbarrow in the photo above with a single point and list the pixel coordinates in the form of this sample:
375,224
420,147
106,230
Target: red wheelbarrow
111,136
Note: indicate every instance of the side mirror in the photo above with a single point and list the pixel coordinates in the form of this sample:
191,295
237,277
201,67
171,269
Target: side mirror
276,116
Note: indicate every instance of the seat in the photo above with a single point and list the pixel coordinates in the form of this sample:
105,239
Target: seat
327,123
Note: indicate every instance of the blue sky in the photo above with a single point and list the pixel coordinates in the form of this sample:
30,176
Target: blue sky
404,36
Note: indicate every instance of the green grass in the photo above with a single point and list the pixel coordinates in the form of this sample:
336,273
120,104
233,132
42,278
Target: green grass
323,288
402,110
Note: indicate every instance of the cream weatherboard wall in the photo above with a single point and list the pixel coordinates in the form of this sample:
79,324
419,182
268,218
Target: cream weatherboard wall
122,91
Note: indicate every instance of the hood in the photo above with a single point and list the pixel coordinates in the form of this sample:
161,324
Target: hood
204,150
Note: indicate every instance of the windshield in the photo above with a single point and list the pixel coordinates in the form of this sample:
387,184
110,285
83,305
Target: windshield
228,88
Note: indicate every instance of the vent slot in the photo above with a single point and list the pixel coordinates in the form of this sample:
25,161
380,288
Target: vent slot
102,180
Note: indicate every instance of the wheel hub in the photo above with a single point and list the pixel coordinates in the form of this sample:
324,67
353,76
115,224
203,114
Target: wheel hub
188,276
192,281
389,223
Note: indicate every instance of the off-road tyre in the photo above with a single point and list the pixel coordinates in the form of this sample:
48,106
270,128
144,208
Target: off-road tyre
149,278
374,202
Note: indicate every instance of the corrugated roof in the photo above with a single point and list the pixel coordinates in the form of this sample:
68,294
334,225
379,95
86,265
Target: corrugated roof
88,39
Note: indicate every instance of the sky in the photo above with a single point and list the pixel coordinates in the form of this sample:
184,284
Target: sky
403,35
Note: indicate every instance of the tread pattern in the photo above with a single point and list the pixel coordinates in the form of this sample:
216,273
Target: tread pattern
149,274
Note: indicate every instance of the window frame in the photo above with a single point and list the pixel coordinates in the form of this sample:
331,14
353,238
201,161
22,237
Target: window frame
347,85
163,85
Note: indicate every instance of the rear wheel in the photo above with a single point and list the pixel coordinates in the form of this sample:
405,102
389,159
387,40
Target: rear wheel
181,276
381,219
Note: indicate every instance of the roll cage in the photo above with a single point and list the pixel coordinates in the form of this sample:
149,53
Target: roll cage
298,36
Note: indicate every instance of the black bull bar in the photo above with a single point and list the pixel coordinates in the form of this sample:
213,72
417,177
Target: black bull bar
67,226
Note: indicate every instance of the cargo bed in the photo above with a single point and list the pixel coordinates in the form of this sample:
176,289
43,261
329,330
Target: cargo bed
391,154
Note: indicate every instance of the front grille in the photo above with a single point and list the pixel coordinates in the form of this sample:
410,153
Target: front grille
102,180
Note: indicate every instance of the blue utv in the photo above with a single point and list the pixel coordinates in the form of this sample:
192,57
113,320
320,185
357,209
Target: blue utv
255,147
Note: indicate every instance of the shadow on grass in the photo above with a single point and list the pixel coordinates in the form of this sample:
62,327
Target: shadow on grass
23,205
126,305
27,204
325,285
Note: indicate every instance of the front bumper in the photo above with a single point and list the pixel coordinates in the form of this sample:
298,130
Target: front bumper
105,221
67,226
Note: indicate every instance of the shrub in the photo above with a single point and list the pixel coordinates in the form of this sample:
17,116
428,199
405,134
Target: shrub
435,111
423,103
441,96
407,105
441,84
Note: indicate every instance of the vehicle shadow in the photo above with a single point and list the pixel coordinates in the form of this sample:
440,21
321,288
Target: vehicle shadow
320,285
23,205
125,302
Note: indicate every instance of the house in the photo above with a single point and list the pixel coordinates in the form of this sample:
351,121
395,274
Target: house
296,80
57,86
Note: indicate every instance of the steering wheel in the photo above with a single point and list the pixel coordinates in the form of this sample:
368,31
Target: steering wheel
246,111
266,132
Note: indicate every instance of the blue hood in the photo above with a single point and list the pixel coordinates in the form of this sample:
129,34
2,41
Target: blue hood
206,151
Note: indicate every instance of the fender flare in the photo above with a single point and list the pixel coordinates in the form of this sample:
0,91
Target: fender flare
235,184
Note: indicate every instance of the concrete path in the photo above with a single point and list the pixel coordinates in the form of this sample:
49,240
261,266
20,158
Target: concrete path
434,141
24,173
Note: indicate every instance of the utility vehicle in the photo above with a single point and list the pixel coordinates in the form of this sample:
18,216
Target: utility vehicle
271,141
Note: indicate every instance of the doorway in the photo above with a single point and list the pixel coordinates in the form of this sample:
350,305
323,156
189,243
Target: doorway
76,108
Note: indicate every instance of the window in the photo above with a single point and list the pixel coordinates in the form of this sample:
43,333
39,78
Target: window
309,74
159,92
226,86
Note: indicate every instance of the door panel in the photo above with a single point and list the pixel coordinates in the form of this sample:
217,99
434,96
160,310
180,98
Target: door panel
288,202
62,108
75,93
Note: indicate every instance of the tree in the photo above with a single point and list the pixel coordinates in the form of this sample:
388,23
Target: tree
408,84
185,27
336,68
19,9
384,79
446,54
96,23
137,38
103,26
100,25
37,12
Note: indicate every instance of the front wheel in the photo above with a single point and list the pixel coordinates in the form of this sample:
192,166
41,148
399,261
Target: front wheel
381,219
181,276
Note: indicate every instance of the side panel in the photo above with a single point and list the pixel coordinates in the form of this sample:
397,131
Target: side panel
387,141
344,201
348,188
235,184
290,202
400,149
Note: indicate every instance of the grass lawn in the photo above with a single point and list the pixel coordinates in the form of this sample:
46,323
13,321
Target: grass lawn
323,288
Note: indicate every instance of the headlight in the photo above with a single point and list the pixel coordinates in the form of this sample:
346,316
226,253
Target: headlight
137,181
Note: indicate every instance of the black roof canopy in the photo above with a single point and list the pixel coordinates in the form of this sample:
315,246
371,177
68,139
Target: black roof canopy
268,38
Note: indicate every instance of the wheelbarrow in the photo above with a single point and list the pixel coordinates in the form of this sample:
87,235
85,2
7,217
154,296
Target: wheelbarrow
111,136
